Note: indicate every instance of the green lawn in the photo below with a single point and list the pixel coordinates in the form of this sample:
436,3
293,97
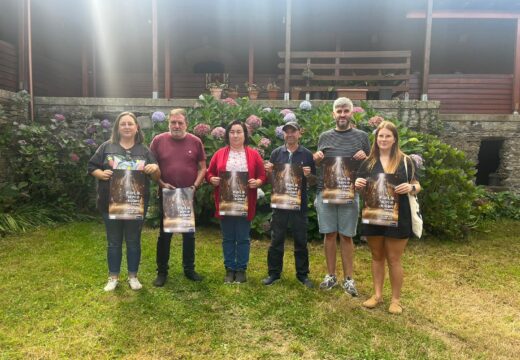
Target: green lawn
460,301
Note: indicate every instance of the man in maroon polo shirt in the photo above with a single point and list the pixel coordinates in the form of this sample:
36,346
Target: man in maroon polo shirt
182,161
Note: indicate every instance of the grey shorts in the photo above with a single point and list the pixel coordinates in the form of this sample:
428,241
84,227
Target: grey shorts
342,218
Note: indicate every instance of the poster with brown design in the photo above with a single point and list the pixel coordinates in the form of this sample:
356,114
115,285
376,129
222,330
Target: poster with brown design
126,200
338,179
287,187
233,193
178,213
381,203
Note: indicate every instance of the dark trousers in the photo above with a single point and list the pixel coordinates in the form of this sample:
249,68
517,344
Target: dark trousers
280,222
163,251
130,231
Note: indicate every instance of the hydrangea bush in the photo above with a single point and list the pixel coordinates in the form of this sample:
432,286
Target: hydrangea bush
48,160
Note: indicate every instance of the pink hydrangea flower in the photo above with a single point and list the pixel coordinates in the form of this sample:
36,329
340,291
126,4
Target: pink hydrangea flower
374,121
201,130
357,109
219,132
254,121
260,151
230,101
74,157
250,129
286,111
264,142
59,117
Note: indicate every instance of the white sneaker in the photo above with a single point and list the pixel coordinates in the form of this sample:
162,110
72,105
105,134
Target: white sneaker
111,284
134,283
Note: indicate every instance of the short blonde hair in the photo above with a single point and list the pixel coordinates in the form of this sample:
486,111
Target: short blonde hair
179,111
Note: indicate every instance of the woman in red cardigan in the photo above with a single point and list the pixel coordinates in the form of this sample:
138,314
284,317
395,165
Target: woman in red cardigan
235,157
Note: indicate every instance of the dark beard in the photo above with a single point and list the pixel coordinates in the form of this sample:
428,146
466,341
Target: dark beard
347,126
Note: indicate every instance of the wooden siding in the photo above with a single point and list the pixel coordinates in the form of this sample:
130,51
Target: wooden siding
56,78
8,67
468,93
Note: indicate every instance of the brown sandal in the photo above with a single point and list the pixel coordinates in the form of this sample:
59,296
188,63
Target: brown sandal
372,302
395,308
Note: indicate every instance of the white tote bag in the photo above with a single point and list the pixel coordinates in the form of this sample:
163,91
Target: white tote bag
417,221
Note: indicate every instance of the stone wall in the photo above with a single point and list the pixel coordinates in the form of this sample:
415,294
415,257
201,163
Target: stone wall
418,115
466,133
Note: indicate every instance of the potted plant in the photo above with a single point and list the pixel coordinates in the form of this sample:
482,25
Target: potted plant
253,90
216,88
307,73
295,92
232,91
272,90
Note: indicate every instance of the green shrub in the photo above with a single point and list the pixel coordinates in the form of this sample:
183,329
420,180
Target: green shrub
493,205
48,163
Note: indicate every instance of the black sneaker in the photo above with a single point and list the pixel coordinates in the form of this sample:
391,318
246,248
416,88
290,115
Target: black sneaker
240,276
270,280
192,275
306,282
230,276
160,280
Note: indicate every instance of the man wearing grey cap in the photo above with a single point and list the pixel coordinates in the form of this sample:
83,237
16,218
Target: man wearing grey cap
290,153
334,219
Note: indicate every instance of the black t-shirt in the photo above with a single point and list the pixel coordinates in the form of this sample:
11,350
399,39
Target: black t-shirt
404,225
114,156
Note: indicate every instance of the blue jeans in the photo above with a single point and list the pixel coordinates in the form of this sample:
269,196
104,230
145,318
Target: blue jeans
116,230
235,242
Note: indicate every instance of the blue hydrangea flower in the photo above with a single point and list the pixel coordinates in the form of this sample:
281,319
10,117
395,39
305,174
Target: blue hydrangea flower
289,117
105,124
305,105
158,116
90,142
279,132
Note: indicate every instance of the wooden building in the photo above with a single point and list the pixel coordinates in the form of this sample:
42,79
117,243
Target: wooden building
464,53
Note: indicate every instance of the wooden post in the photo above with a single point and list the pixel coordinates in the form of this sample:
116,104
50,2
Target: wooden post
251,74
155,66
516,76
337,60
22,45
167,64
287,49
94,74
29,49
84,69
427,49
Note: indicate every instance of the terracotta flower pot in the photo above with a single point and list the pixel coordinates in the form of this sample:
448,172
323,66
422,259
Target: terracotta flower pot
232,94
216,92
352,94
253,94
295,94
272,94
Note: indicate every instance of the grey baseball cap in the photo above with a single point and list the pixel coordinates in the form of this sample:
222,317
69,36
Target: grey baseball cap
292,124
